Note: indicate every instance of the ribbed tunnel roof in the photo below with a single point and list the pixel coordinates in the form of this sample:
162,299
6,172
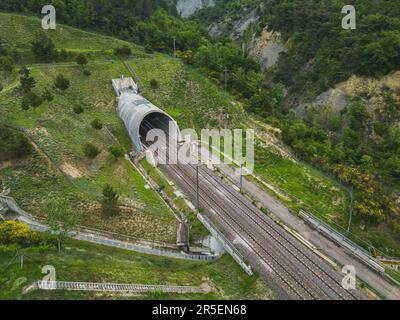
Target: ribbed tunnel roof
132,109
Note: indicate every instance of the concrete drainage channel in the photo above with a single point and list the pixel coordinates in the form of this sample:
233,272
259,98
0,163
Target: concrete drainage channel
115,287
103,240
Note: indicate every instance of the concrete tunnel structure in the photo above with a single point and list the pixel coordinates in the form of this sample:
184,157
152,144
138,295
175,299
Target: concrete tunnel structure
139,115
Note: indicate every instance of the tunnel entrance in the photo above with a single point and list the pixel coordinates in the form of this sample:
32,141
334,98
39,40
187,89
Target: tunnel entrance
158,120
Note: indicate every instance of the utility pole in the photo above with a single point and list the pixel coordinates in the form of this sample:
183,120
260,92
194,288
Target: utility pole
241,177
177,143
226,77
197,188
350,208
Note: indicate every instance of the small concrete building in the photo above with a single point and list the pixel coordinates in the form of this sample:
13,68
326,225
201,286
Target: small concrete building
182,239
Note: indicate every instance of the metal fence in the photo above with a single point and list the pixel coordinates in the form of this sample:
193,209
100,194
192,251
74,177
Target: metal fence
342,240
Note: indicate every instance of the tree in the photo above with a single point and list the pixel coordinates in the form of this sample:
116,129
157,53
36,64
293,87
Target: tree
392,165
61,82
81,59
43,48
123,51
6,63
1,87
148,49
90,151
13,144
116,151
47,95
78,109
31,99
110,200
154,84
60,219
266,102
27,83
96,124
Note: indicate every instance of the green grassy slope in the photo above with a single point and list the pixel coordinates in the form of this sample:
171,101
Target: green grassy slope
19,31
87,262
58,164
59,133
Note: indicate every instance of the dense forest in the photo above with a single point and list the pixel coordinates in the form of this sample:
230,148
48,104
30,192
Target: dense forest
360,144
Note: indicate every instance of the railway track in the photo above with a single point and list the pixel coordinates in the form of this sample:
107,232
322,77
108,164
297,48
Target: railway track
300,254
297,270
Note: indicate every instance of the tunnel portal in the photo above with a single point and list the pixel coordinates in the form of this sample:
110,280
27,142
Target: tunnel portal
140,116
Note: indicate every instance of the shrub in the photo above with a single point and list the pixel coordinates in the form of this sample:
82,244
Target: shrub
148,49
43,48
61,82
25,104
116,151
31,99
27,83
154,84
110,200
90,151
78,109
123,51
1,87
96,124
47,95
13,144
86,72
81,59
15,232
35,99
6,64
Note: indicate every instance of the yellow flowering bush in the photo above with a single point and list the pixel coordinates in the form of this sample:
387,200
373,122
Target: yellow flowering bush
15,232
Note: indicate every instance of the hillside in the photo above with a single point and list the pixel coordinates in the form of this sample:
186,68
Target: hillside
203,105
58,133
52,135
333,92
185,93
87,262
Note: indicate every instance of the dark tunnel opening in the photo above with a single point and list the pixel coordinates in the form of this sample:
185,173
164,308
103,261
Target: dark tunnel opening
157,120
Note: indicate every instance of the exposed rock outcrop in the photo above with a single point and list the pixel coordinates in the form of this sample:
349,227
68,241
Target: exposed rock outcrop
186,8
340,96
267,47
234,29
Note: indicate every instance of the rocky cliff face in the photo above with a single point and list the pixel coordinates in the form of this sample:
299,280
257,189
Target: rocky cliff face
267,47
186,8
233,28
340,96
